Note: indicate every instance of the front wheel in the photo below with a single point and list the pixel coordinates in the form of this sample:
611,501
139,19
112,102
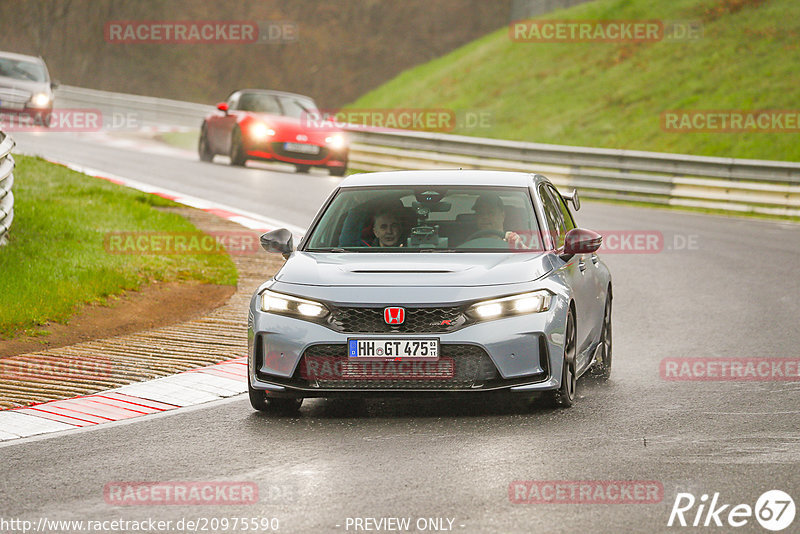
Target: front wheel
261,402
237,155
564,396
284,406
258,397
302,169
337,171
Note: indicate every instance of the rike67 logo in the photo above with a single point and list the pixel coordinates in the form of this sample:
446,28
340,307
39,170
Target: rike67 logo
774,510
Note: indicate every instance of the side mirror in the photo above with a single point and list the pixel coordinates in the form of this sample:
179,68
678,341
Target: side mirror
580,241
54,85
223,106
279,240
572,196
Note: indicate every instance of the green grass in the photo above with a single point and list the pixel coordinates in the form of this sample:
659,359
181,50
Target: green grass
56,261
612,94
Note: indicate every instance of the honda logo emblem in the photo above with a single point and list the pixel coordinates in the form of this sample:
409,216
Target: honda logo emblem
394,315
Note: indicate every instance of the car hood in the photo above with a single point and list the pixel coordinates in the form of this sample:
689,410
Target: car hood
23,85
413,269
290,125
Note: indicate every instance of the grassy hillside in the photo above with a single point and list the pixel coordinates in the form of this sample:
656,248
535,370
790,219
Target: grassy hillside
612,94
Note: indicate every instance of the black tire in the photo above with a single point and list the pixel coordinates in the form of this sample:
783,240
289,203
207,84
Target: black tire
564,396
237,155
203,150
261,402
337,171
302,169
258,397
602,366
284,406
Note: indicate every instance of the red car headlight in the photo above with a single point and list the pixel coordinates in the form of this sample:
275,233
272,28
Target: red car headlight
336,141
259,131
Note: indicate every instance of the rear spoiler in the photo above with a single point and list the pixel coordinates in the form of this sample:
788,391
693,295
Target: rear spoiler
572,196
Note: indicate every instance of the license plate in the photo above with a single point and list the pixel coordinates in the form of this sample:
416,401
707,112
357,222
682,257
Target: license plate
393,349
301,148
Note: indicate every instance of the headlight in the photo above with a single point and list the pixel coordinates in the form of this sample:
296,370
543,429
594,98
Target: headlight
335,141
40,100
287,305
260,131
532,302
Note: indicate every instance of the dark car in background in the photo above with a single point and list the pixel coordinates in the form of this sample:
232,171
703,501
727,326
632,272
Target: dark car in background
25,87
273,126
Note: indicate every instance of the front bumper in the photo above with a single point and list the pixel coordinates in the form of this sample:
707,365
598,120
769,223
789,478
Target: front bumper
274,151
292,357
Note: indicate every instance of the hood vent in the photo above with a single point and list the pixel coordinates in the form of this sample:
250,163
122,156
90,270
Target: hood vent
399,271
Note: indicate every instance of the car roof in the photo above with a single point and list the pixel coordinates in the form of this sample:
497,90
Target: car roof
272,92
22,57
443,177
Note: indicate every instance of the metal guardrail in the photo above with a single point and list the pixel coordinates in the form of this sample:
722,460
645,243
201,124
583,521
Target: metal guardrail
761,186
147,110
6,182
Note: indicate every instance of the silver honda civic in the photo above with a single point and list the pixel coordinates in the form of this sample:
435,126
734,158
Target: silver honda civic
432,282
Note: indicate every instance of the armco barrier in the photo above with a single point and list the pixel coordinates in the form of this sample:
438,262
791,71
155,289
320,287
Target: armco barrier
6,182
769,187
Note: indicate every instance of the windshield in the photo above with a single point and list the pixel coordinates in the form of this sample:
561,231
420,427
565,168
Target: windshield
22,70
428,219
296,107
259,102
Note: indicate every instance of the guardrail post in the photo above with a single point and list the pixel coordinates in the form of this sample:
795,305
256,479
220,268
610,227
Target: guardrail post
6,182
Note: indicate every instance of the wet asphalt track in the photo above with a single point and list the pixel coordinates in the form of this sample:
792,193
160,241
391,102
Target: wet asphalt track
734,294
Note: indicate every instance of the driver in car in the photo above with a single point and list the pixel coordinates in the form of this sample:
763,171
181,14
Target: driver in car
388,229
384,229
490,217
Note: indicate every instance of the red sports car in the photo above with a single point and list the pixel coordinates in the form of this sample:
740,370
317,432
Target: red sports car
273,126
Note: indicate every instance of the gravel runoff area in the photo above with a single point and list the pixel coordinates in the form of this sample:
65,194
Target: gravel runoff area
102,364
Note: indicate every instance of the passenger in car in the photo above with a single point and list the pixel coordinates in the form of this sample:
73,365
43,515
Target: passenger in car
490,215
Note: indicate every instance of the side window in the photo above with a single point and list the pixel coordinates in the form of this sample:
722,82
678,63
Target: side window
569,222
555,223
233,101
